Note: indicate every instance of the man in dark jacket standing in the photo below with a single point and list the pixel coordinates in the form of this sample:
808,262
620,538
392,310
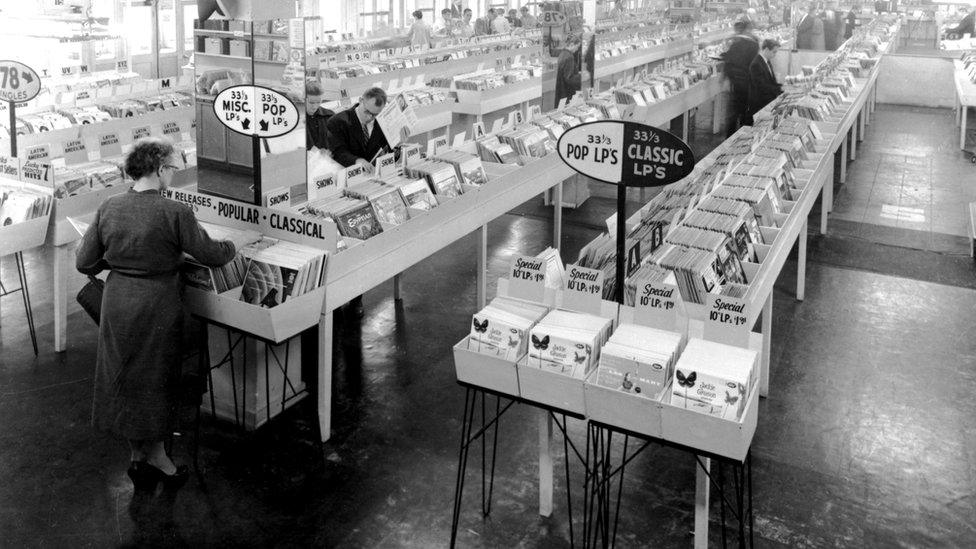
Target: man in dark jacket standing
742,50
316,117
355,137
804,29
763,86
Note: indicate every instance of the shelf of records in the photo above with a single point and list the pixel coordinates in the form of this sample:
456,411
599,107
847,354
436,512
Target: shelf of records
966,66
274,288
25,209
549,338
349,79
82,173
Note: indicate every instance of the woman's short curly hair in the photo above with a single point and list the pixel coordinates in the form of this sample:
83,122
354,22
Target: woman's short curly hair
147,156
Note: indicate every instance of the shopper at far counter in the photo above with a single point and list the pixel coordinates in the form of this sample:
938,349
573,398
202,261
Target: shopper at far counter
568,78
618,10
354,135
965,26
513,19
316,116
763,86
446,26
482,25
500,24
465,27
743,48
140,238
851,22
833,28
419,33
810,30
528,20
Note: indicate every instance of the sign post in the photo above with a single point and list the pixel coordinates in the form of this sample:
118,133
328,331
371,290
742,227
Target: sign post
626,154
18,84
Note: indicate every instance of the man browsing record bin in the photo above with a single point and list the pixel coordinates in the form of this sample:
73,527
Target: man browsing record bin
355,137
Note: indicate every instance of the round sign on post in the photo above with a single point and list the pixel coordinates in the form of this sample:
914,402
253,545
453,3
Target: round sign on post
255,111
18,82
626,153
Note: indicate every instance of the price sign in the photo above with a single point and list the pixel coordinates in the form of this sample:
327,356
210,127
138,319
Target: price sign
109,145
434,145
727,320
140,132
18,82
626,153
386,165
584,290
527,278
279,199
656,305
255,111
75,151
552,19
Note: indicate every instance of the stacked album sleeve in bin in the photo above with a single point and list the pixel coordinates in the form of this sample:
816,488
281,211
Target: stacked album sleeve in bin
415,192
647,273
713,379
696,271
226,277
492,150
502,328
281,272
19,204
441,177
467,167
353,217
639,360
568,343
387,202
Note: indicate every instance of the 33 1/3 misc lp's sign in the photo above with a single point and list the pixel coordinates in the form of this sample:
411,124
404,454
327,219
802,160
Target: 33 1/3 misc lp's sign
255,110
626,153
18,82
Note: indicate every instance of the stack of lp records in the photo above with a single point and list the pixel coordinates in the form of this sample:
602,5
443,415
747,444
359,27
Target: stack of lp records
639,360
354,217
467,166
387,202
441,177
568,343
713,379
501,329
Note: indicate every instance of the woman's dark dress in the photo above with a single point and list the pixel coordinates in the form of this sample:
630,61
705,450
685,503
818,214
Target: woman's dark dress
141,237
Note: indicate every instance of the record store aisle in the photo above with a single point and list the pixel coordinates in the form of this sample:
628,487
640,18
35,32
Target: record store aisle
866,439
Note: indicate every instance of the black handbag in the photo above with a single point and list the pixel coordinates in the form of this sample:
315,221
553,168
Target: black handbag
90,297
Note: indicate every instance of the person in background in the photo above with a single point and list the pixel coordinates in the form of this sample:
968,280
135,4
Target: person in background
851,23
763,86
618,9
833,28
528,20
419,33
788,14
465,28
140,238
354,135
513,19
965,25
500,25
742,49
316,134
809,32
482,25
568,77
446,26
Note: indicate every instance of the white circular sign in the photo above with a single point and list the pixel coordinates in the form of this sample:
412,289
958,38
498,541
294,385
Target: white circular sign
256,110
18,82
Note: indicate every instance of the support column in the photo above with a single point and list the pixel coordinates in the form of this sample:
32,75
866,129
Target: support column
545,463
701,503
62,263
324,387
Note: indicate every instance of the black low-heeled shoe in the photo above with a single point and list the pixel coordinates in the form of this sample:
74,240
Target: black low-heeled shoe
170,482
143,476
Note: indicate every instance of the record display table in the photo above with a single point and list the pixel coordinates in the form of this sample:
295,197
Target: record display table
965,98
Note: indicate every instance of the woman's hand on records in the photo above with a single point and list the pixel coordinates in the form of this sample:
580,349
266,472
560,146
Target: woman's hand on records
244,238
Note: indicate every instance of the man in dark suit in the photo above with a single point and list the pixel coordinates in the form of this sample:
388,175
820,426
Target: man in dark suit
743,48
355,137
763,87
804,29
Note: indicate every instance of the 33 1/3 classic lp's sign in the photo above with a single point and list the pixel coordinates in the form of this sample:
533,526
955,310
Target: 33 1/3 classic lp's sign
626,153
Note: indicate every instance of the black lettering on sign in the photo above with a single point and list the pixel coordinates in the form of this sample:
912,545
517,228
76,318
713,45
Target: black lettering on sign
74,146
139,133
171,128
296,225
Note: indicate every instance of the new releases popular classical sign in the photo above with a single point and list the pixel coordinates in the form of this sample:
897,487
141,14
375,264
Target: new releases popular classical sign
626,153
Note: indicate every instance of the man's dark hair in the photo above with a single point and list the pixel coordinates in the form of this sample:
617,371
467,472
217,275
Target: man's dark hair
418,14
740,27
375,93
445,11
147,156
466,11
770,43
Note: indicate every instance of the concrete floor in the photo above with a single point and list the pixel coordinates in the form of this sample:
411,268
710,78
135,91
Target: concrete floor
866,439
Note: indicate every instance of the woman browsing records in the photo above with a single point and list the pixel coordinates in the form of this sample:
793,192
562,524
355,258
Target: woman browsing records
140,238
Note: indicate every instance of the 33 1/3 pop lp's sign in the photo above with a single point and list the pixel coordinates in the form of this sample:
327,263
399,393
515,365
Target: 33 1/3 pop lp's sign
626,153
254,110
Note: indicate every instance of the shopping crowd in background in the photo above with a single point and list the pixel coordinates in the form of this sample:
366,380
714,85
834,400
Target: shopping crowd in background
455,22
822,26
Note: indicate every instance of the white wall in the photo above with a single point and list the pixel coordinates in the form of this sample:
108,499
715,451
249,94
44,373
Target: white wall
922,81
